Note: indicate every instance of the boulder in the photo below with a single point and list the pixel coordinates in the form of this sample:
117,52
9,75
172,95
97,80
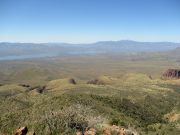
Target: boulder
122,131
106,131
21,131
72,81
79,133
91,131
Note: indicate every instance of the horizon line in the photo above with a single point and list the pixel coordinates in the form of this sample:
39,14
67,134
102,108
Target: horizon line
87,42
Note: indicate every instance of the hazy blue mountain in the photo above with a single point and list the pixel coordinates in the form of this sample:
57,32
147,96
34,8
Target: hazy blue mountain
54,49
133,46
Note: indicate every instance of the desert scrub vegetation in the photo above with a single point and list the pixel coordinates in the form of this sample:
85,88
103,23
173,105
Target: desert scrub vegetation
69,120
70,113
53,115
66,110
152,110
74,118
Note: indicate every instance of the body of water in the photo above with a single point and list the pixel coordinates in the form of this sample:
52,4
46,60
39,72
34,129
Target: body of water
23,57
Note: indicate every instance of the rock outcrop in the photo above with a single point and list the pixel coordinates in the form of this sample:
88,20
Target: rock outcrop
91,131
110,130
72,81
96,82
21,131
171,74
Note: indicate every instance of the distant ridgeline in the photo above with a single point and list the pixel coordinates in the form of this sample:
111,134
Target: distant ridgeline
12,51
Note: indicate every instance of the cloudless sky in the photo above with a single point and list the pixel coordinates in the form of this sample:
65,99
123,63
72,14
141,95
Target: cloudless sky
78,21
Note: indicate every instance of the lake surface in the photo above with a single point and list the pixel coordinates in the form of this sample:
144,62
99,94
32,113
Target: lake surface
23,57
44,55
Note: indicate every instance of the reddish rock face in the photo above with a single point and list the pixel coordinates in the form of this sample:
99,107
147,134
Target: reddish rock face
171,74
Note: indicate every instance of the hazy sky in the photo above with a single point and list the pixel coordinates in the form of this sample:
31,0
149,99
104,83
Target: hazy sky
89,20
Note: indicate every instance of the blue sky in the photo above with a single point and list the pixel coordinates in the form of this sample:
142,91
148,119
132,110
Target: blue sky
78,21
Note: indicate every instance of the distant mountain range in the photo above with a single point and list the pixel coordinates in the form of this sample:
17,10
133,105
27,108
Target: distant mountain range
55,49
